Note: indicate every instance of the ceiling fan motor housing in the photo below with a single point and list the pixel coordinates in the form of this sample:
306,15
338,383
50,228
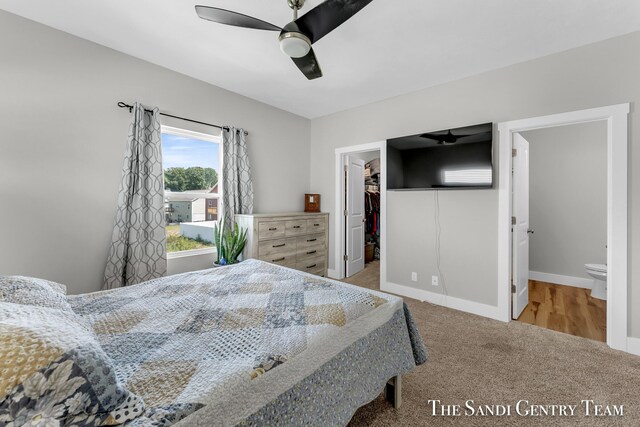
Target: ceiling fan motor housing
294,44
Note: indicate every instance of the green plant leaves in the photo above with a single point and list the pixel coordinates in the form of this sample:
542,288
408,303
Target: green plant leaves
230,242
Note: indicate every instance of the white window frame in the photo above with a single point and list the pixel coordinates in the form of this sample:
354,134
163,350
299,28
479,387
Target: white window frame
217,139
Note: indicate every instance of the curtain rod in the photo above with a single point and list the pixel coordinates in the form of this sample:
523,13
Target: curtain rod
130,107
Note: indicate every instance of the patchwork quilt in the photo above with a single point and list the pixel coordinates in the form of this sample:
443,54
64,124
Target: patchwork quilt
251,344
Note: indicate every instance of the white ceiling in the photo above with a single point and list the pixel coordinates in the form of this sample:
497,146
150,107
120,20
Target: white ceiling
387,49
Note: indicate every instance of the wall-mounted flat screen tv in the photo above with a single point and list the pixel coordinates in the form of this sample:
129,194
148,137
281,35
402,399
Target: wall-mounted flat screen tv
458,158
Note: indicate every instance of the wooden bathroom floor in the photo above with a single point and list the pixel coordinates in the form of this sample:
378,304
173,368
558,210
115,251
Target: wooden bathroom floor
566,309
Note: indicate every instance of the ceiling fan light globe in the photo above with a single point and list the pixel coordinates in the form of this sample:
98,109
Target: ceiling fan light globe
294,45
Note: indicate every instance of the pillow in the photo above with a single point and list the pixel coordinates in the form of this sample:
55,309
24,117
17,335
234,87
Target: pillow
32,291
53,370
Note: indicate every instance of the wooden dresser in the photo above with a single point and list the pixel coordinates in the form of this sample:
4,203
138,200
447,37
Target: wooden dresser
295,239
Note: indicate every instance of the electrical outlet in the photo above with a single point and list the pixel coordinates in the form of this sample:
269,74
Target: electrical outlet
434,280
414,276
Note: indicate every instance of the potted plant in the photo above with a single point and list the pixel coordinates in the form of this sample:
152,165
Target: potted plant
229,242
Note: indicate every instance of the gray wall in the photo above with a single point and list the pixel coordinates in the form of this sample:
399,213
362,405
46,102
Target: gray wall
568,198
600,74
62,140
466,241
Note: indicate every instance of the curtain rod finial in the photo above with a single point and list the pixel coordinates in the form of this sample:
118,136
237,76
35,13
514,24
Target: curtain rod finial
123,105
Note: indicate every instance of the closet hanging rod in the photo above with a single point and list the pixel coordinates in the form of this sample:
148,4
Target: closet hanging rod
130,107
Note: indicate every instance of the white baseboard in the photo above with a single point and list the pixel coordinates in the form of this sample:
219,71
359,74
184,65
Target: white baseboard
633,345
577,282
467,306
333,274
490,311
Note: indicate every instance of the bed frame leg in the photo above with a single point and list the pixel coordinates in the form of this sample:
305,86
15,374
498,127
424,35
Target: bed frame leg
393,391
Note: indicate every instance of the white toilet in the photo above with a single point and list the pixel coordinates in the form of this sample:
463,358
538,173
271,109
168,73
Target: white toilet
599,274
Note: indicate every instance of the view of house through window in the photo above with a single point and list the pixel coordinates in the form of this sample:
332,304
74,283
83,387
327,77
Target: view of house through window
191,164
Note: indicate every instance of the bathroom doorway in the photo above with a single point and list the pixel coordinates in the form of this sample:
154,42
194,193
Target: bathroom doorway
560,232
616,119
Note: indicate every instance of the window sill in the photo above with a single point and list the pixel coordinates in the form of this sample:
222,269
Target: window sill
193,252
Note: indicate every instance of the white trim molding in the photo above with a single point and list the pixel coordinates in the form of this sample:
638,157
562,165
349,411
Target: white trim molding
191,134
633,345
558,279
616,117
332,273
477,308
192,252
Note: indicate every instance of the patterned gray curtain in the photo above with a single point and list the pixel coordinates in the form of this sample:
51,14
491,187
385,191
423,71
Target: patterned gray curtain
237,187
138,250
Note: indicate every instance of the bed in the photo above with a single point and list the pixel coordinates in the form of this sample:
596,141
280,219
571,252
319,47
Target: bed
247,344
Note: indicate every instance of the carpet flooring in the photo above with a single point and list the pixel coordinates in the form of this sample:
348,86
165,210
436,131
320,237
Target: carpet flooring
493,363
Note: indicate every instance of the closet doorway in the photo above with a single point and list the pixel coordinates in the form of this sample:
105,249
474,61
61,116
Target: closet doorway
359,239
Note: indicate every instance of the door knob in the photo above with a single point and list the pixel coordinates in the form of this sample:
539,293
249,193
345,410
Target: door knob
530,231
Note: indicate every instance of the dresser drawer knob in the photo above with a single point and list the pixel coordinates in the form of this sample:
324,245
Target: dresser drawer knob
316,225
311,252
311,240
280,245
311,266
277,260
273,228
296,226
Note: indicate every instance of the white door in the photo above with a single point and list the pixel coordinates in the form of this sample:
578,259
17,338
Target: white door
520,225
355,216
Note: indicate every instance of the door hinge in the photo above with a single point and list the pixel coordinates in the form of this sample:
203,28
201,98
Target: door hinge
513,220
346,212
514,152
345,257
513,288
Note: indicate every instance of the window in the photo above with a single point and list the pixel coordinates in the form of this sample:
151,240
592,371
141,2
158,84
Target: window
191,164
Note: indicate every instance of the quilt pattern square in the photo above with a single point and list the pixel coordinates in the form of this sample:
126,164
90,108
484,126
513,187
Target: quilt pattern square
285,309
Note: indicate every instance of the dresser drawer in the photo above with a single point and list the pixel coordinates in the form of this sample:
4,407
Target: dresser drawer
269,248
296,227
313,265
287,259
310,253
316,225
270,229
310,241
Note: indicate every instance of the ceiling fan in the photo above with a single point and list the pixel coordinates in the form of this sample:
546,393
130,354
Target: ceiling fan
449,137
298,35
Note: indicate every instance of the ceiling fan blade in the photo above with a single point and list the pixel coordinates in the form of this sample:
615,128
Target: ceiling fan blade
433,136
309,66
328,16
451,138
463,136
228,17
444,135
472,137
